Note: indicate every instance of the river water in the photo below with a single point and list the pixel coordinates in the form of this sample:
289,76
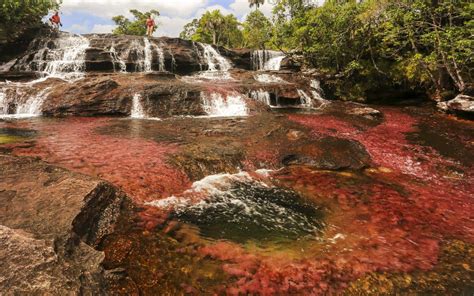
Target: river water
216,211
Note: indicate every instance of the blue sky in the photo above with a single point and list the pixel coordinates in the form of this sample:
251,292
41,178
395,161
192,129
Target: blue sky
94,16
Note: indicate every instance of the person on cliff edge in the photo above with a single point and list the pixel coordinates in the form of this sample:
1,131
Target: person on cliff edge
150,25
55,21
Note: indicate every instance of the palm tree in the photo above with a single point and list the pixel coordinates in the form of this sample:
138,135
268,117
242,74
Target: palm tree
256,3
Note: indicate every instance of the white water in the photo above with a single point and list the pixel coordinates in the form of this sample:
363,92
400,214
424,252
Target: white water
137,107
306,100
267,78
148,53
29,105
218,105
214,60
268,60
117,59
209,185
261,95
66,60
317,92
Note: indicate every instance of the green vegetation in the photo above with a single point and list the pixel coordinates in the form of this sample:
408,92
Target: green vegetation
18,16
137,26
375,45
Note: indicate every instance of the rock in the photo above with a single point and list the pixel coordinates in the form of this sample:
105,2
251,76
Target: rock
367,112
329,153
462,105
51,221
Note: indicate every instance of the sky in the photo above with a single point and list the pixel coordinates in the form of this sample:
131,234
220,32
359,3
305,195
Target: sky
94,16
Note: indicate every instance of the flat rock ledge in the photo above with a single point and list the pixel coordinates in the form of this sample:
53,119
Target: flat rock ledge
51,221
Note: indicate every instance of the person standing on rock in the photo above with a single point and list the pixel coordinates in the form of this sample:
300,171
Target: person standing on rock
55,21
150,26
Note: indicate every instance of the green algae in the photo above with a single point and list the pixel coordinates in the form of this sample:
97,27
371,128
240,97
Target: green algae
7,139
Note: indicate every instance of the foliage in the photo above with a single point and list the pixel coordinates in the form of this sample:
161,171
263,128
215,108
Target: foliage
256,3
424,44
18,16
215,28
257,31
136,26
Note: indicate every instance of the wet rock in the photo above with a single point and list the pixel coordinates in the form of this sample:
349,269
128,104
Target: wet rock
329,153
367,112
461,105
51,220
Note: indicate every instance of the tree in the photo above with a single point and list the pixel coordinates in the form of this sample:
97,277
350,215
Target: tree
189,30
257,30
136,26
256,3
18,16
214,28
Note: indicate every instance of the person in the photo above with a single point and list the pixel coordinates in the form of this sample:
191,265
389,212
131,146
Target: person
55,21
150,26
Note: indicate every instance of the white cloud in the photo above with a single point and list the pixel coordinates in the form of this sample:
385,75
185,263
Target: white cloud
78,28
170,26
102,28
109,8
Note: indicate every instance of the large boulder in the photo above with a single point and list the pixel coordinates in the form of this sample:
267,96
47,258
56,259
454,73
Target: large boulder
50,222
462,105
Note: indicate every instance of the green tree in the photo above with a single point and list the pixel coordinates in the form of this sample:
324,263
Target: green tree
215,28
257,31
18,16
256,3
137,26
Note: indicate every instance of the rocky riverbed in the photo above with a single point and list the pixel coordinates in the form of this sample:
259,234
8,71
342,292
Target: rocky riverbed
164,166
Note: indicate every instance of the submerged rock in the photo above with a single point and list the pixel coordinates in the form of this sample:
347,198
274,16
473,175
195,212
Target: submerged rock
329,153
50,223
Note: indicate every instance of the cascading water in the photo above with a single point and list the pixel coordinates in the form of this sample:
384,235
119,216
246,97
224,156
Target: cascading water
267,78
268,60
217,66
64,59
116,59
317,93
218,105
24,104
137,107
261,95
306,100
148,55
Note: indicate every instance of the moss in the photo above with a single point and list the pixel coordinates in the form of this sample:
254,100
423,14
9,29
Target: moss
453,275
6,139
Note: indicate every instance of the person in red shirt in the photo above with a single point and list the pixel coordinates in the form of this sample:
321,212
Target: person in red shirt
55,21
150,26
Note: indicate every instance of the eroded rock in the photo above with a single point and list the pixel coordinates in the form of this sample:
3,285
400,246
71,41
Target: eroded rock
461,105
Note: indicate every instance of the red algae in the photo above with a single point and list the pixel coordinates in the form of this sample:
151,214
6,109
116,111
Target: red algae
136,165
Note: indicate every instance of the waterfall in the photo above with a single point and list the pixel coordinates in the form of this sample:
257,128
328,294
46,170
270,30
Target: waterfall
317,93
261,95
215,61
137,108
63,57
116,59
267,78
218,105
148,54
306,100
29,105
269,60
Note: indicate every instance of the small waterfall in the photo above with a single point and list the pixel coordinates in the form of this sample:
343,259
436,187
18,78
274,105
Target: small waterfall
267,78
116,59
215,61
148,55
268,60
317,93
261,95
137,107
64,58
27,105
306,100
218,105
